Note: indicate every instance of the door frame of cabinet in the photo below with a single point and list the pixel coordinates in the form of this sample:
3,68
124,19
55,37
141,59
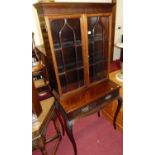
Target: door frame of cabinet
109,43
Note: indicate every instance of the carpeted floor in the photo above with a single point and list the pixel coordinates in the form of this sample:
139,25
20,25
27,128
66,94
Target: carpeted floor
93,135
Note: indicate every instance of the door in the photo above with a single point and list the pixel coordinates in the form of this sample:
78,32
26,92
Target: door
66,46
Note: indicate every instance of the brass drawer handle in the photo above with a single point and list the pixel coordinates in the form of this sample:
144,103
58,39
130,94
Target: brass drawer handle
85,109
108,97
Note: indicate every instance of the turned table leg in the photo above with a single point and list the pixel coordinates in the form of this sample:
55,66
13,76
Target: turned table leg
117,111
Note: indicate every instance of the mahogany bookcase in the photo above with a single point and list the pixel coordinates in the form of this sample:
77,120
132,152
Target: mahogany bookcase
78,40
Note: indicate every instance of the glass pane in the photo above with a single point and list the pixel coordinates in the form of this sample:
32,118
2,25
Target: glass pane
98,47
66,34
72,78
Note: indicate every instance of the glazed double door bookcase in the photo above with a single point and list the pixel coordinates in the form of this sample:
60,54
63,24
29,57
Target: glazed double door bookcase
78,42
80,45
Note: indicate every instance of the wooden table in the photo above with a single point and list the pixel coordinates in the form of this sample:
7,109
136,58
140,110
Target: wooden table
90,101
39,128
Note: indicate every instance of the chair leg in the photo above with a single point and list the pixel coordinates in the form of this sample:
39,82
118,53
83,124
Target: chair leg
54,118
42,146
61,122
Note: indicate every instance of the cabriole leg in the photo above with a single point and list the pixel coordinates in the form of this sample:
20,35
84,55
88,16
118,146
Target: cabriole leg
117,111
70,135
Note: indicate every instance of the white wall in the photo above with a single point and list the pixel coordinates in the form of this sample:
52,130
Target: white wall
119,23
35,26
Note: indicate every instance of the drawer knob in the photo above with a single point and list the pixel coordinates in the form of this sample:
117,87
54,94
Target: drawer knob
85,109
108,97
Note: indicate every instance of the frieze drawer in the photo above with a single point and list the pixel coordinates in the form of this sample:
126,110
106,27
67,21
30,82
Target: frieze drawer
96,105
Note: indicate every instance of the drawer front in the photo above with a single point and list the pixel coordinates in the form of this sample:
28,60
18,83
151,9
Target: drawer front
108,97
96,105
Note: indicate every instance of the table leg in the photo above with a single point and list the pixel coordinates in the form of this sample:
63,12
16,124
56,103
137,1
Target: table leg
68,125
117,111
69,132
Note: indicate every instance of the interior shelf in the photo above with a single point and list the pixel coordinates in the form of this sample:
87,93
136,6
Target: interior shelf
96,37
58,46
70,66
97,62
91,39
71,70
96,78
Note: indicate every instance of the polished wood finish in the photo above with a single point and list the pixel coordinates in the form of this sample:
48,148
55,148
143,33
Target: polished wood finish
72,8
78,41
53,56
109,109
39,128
87,96
84,32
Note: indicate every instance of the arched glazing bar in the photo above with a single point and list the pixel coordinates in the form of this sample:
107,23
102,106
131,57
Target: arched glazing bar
72,40
97,41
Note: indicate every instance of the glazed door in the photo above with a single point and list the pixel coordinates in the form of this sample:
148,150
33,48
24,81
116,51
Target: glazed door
98,47
67,52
